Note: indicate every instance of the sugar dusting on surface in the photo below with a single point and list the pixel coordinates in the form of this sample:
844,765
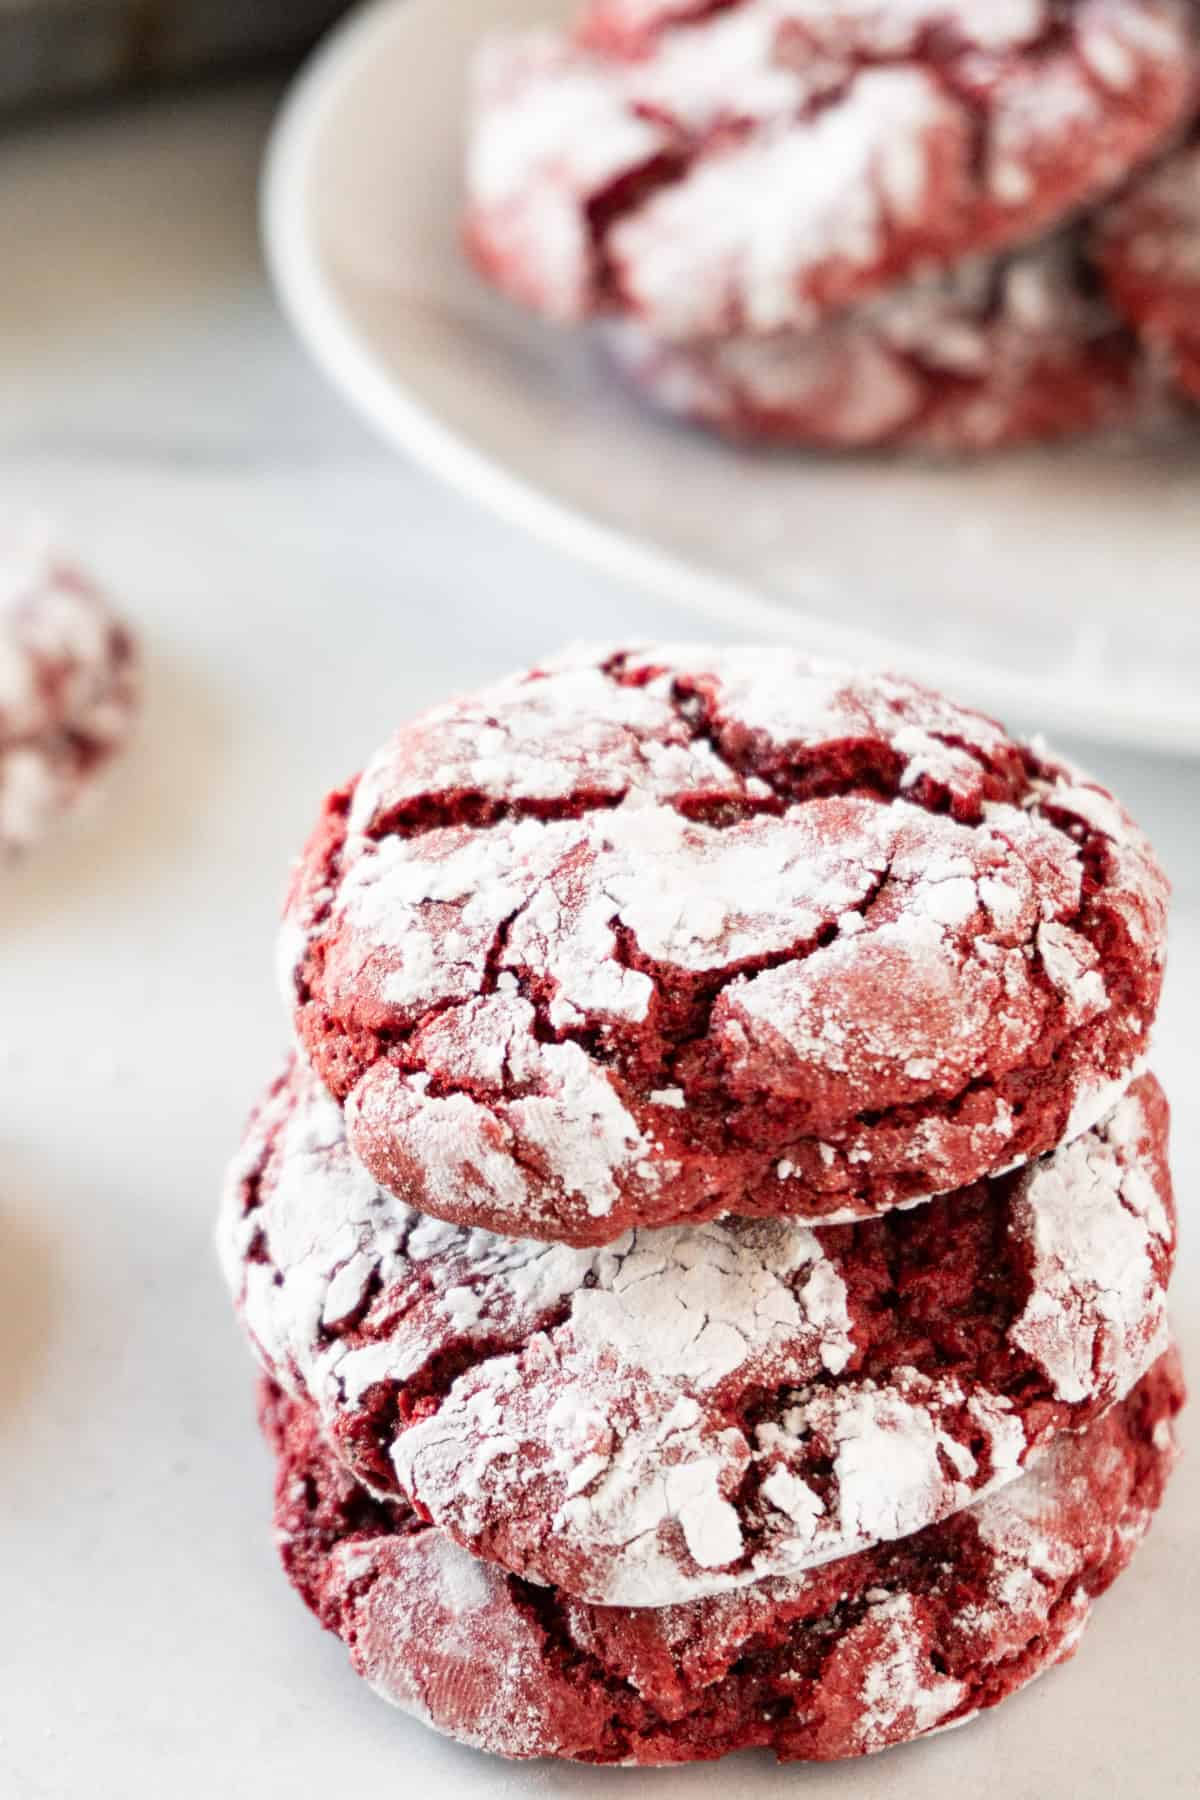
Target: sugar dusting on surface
1005,334
596,1411
870,1652
771,159
731,238
519,958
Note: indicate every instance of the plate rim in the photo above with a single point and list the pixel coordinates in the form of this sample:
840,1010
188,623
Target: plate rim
309,303
308,299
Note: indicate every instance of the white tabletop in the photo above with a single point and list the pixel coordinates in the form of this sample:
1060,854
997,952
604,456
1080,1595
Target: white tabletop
298,591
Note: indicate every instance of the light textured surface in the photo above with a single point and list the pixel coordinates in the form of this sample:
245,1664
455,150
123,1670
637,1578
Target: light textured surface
298,592
670,900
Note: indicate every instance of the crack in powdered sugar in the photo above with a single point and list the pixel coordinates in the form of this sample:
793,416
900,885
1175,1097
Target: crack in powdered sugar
674,1414
766,886
758,165
1008,334
1099,1233
869,1651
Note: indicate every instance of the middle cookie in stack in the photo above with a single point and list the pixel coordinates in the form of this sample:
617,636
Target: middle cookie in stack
646,1000
697,1408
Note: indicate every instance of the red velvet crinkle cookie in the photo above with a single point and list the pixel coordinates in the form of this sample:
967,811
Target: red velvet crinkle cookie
1149,247
696,1408
68,691
667,933
868,1652
753,167
996,354
631,28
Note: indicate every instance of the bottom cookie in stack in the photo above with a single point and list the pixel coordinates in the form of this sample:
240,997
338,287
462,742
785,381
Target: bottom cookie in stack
854,1656
996,353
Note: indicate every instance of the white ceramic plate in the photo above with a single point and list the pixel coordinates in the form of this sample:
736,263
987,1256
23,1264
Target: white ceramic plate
1062,588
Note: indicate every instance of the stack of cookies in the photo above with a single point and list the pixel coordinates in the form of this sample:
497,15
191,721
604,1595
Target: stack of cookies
855,223
708,1253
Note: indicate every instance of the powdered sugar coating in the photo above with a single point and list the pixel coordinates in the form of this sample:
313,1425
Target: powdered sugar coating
710,874
844,1661
1097,1228
752,167
68,689
692,1409
1148,243
994,354
779,228
837,28
551,127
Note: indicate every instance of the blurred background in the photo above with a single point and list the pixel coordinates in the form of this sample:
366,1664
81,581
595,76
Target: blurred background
67,49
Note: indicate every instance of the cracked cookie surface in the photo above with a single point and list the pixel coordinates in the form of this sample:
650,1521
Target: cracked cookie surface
1022,349
69,691
659,934
754,167
849,1659
692,1409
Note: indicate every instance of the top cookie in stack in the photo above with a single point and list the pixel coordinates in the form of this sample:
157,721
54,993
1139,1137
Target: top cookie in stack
652,936
860,223
709,1255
